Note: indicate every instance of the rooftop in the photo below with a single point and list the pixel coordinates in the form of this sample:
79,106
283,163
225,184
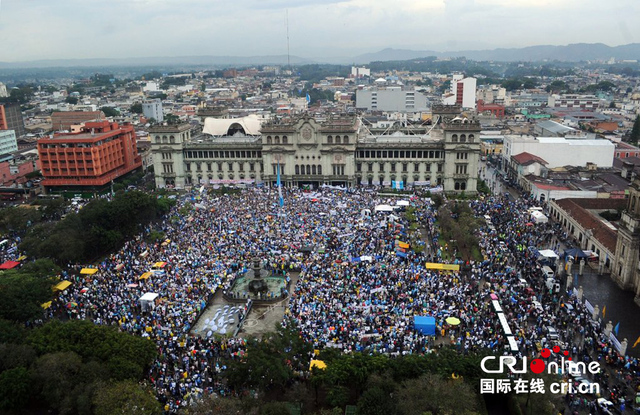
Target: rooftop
526,159
579,210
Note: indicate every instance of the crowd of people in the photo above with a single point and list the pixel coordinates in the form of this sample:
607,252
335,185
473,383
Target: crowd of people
355,291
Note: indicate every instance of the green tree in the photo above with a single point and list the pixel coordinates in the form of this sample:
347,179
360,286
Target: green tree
430,393
378,398
18,219
125,356
512,84
16,355
71,100
634,137
56,375
21,295
15,389
172,119
275,408
230,405
136,108
125,398
110,111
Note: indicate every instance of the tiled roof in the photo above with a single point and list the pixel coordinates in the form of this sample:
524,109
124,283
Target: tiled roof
577,208
525,159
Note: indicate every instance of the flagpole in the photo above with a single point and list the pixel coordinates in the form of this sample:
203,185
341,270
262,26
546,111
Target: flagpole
281,200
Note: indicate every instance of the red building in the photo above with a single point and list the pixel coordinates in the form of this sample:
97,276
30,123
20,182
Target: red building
103,151
495,109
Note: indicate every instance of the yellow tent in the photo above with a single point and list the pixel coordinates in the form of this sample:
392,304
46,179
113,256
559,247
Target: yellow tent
88,271
46,305
317,363
145,276
61,286
444,267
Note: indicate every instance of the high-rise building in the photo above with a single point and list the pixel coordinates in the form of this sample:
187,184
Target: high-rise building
462,93
589,102
3,91
8,141
391,98
153,109
101,152
358,72
11,119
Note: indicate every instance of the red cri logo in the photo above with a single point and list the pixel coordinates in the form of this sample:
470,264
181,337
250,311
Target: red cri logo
537,365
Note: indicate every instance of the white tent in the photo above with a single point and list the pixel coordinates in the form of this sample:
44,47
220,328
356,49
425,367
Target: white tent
548,253
384,208
251,125
147,301
539,217
402,203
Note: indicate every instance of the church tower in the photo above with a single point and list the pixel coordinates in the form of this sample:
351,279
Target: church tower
625,265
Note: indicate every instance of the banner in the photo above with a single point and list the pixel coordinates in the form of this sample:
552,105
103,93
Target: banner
588,306
615,342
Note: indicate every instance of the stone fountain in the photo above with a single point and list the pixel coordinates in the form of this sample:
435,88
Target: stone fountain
257,284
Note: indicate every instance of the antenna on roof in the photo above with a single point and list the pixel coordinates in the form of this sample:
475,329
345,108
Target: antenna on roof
288,56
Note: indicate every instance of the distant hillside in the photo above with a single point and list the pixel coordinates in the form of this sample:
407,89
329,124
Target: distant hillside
177,61
569,53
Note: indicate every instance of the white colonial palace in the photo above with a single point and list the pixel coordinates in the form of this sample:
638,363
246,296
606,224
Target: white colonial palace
336,151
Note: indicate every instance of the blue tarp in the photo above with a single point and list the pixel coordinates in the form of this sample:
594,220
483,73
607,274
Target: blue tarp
425,325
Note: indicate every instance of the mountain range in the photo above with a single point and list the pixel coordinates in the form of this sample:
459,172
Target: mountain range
568,53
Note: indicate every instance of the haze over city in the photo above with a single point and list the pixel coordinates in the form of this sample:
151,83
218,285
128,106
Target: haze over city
78,29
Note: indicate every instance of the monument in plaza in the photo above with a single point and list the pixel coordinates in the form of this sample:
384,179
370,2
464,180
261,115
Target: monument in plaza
259,285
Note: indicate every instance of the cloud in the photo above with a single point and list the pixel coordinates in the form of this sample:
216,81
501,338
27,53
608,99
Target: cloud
51,29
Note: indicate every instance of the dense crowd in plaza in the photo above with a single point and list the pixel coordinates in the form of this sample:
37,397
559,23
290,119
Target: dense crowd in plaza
354,291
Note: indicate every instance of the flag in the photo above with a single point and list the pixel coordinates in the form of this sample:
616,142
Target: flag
280,188
616,328
637,342
604,311
575,280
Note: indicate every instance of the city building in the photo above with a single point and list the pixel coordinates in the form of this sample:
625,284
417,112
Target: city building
581,220
493,94
625,150
100,153
560,151
11,119
462,93
496,110
153,109
62,121
309,152
391,98
3,91
549,128
8,141
357,72
573,101
13,171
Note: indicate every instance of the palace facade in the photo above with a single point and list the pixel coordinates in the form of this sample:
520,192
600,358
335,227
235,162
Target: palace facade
338,151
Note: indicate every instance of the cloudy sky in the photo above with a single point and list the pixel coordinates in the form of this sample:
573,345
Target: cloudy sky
66,29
